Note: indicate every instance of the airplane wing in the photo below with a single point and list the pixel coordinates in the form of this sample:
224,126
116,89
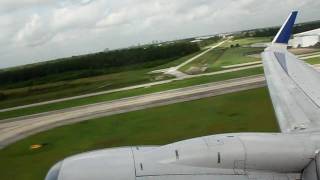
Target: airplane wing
294,86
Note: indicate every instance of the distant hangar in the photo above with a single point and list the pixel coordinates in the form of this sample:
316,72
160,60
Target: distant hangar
305,39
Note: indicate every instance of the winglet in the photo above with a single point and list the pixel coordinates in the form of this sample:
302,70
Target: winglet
284,33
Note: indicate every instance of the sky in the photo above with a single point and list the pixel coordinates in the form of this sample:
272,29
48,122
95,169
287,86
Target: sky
40,30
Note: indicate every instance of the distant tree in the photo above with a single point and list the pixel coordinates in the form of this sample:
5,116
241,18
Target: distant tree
237,45
298,28
2,96
232,46
246,34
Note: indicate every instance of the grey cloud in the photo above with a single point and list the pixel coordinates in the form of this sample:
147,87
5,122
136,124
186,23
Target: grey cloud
7,6
40,29
10,6
30,29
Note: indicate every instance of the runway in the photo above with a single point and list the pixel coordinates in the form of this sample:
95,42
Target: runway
15,129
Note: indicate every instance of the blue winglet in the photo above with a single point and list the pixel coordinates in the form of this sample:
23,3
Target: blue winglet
284,34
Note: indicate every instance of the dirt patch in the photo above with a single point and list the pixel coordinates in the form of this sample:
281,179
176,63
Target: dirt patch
196,70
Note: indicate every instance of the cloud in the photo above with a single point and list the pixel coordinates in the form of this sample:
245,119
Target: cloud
33,33
7,6
77,16
30,29
40,29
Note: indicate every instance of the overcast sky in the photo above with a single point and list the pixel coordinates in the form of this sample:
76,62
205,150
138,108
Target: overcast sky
39,30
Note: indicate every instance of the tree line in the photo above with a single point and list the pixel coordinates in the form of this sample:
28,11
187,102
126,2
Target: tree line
103,62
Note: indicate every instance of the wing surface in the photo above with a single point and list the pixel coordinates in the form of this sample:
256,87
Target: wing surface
294,86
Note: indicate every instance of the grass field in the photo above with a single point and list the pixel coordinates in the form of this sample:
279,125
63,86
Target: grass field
247,41
217,58
206,43
206,60
315,60
246,111
236,56
128,93
177,61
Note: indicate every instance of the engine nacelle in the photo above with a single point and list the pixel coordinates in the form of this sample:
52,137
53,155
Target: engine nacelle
228,154
312,171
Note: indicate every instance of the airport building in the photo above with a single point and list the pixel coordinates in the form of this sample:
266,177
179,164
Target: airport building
305,39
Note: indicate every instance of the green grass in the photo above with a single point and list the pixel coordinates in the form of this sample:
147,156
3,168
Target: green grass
247,41
178,61
234,56
207,59
129,93
246,111
315,60
215,59
205,43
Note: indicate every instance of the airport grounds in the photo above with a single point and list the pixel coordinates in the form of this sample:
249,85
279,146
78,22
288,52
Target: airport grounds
243,111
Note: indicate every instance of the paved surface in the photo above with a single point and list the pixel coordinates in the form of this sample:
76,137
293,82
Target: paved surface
15,129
